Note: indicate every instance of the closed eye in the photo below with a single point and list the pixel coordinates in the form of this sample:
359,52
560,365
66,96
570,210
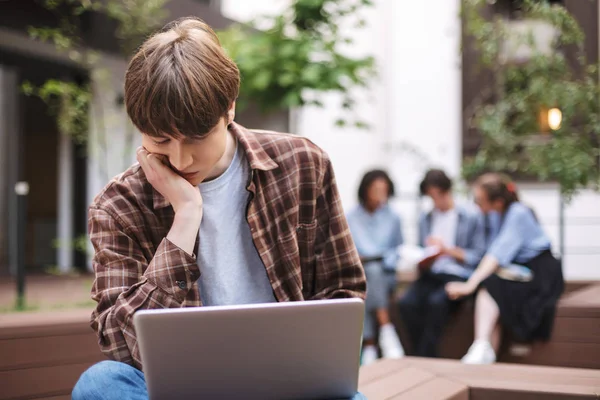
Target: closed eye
161,142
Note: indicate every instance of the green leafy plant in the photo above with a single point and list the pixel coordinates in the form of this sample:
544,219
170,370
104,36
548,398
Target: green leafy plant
71,102
78,107
300,56
510,113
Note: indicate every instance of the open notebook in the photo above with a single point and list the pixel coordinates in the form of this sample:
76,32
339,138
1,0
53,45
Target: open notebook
515,272
412,256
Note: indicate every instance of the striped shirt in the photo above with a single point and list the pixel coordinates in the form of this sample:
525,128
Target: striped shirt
295,218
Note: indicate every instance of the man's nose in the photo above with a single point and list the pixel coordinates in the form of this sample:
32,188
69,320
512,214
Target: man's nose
181,159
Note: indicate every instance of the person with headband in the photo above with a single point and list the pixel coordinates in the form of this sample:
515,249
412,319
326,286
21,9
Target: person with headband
524,307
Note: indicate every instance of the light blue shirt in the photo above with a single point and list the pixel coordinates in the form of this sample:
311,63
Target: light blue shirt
231,271
520,237
377,234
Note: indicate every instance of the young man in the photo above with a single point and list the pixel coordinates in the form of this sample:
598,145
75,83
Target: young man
459,234
213,214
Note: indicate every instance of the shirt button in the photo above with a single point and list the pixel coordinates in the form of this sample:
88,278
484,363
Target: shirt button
182,284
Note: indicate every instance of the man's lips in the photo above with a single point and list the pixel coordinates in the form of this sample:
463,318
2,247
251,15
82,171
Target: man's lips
188,175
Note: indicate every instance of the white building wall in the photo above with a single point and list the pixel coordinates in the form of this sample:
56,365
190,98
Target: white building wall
414,109
352,150
112,140
423,103
581,231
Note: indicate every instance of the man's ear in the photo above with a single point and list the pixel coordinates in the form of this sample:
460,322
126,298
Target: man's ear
231,113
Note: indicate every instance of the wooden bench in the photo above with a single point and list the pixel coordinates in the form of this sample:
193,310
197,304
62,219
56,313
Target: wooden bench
427,379
575,341
43,355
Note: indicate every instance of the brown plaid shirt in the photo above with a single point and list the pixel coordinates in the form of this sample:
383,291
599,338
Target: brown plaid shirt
297,224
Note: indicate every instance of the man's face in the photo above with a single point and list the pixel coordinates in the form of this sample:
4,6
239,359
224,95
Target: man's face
193,159
441,200
377,194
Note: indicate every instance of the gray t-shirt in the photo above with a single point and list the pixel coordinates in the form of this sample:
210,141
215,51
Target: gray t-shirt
231,271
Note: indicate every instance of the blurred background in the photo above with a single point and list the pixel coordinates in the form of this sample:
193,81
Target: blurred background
469,87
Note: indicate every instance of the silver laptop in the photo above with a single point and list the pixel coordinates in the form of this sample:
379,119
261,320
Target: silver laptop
295,350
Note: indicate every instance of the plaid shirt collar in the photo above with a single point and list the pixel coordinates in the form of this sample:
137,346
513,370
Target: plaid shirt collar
256,155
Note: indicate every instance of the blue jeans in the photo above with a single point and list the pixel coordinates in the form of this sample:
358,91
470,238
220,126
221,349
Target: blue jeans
111,380
381,283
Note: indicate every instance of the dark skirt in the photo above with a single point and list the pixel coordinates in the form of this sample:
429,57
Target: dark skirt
527,309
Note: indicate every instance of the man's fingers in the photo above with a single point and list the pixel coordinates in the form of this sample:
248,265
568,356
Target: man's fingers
141,152
159,165
142,157
163,159
150,165
155,160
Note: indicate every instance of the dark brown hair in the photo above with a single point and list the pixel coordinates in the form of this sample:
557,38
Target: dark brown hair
498,187
180,81
368,179
435,178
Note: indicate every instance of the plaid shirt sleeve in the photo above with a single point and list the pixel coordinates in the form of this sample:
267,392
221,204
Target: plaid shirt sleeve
339,272
126,281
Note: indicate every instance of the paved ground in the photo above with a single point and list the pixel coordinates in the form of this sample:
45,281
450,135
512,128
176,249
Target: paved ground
48,293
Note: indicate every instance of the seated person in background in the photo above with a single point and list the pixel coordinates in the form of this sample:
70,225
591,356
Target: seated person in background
458,232
377,233
525,308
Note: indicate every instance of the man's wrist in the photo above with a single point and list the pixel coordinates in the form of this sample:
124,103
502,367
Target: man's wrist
189,212
185,228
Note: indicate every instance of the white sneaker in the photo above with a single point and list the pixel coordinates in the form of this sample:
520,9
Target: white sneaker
369,355
389,343
480,352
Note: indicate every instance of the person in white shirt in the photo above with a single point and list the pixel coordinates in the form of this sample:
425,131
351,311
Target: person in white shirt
459,234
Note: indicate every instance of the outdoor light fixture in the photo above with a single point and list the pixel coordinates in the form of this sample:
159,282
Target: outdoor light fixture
554,118
550,119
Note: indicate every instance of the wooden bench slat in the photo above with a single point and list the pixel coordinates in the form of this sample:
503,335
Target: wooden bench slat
572,329
523,390
396,383
560,354
587,295
453,367
378,370
436,389
40,382
581,303
501,394
16,326
485,382
516,377
66,397
50,350
577,311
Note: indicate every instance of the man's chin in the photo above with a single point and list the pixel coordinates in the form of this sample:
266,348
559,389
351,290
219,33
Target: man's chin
194,181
